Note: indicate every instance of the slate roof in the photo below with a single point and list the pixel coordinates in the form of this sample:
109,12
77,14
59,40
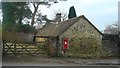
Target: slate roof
61,27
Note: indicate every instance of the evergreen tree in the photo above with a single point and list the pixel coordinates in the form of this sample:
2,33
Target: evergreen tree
72,12
14,12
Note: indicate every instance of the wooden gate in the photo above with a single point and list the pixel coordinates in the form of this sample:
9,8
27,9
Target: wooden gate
17,43
48,42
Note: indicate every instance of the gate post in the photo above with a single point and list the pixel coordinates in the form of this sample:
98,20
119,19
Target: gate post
3,48
57,47
14,48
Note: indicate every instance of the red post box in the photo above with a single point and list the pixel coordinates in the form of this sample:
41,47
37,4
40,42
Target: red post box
65,43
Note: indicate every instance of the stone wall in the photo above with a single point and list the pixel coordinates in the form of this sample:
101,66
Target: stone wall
84,39
110,45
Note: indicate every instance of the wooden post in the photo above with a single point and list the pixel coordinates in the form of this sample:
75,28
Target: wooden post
15,48
57,46
3,48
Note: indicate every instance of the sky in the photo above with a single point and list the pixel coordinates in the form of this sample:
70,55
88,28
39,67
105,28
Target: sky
99,12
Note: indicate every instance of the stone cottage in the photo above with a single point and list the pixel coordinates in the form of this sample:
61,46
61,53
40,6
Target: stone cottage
76,37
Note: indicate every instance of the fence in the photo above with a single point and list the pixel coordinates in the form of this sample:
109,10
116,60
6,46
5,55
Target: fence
19,43
17,37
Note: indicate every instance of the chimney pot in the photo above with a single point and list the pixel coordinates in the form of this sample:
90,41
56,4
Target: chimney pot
58,17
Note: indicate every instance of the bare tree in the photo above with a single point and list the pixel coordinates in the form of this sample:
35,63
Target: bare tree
112,28
36,5
63,15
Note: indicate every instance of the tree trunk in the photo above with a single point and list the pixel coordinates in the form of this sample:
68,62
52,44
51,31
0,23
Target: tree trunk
20,20
34,13
21,14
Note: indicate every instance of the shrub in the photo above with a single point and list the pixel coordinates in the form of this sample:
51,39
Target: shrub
84,47
12,27
26,28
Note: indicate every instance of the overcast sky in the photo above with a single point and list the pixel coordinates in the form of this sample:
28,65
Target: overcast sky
99,12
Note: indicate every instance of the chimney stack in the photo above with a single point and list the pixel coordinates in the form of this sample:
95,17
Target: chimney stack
58,17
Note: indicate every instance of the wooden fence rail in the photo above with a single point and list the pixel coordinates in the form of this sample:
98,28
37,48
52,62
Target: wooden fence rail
17,37
19,43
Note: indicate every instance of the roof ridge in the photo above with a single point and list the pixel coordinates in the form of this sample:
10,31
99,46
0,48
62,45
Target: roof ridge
52,30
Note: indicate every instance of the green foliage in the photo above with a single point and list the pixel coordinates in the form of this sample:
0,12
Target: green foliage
14,12
8,26
26,28
72,12
8,10
84,47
